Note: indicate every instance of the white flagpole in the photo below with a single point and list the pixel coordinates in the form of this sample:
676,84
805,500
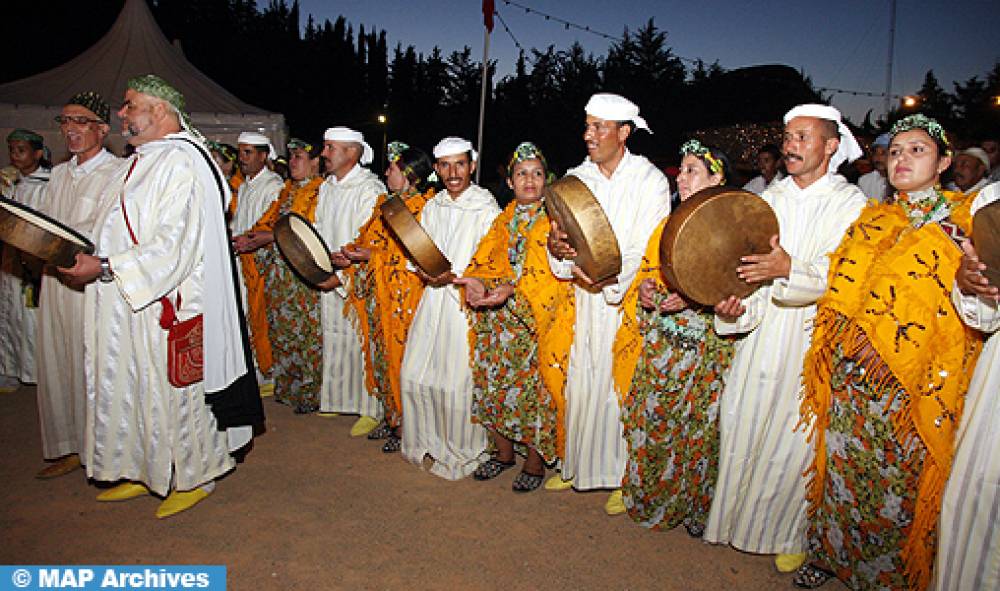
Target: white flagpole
482,98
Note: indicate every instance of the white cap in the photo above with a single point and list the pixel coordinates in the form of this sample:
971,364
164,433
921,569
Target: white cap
257,139
346,134
612,107
848,150
978,153
451,146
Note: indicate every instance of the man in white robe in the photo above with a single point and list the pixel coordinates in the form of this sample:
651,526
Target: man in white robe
968,554
875,185
20,273
346,200
162,237
760,495
635,196
769,164
260,188
75,195
436,377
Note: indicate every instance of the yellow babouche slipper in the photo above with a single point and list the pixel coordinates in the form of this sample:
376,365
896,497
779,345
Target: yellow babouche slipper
123,492
178,501
363,426
557,483
59,467
789,563
328,415
266,389
615,505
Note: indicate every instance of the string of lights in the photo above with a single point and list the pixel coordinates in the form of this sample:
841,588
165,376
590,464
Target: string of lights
567,24
506,28
856,92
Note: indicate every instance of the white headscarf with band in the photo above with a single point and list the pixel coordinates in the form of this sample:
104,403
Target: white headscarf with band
848,150
346,134
257,139
612,107
451,146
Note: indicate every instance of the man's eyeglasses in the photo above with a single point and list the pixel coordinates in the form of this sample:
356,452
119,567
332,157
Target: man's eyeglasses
78,119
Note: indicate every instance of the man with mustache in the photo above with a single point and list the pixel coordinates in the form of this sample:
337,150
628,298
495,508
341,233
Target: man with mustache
74,196
970,170
436,378
760,499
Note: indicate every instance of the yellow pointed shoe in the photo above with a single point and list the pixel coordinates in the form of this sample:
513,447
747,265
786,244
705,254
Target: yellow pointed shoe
123,492
363,426
178,501
266,389
557,483
328,415
60,467
789,563
615,505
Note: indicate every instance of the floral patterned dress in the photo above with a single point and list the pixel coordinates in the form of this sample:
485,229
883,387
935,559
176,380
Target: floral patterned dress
508,394
671,418
293,311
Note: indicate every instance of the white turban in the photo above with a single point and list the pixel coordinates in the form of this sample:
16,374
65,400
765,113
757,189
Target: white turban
612,107
451,146
979,154
848,150
257,139
346,134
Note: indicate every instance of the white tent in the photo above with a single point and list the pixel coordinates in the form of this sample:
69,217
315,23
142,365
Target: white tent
133,46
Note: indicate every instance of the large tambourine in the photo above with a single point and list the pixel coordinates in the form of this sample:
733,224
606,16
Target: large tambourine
986,238
413,239
571,204
303,247
39,235
705,237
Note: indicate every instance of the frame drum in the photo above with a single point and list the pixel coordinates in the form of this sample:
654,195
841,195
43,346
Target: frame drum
986,238
571,204
37,234
414,240
304,248
705,237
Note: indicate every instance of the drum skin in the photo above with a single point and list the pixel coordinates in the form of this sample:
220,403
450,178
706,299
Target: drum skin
986,238
412,237
570,203
705,237
19,230
291,233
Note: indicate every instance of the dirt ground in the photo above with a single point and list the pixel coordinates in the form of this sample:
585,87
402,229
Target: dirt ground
312,508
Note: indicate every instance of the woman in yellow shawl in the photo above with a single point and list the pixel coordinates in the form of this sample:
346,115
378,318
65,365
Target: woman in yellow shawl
508,284
670,410
886,376
292,305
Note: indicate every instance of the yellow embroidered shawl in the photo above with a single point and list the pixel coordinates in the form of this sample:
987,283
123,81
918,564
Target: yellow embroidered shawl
888,304
396,291
551,301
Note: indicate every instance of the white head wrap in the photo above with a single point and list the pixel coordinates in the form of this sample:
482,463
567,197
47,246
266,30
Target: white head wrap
612,107
978,153
848,150
450,146
346,134
257,139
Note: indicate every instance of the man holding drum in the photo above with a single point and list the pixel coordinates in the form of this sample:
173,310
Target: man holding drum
635,196
75,194
760,496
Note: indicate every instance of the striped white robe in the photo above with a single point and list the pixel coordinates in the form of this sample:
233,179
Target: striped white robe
75,195
343,207
968,556
18,321
636,198
760,496
436,377
138,426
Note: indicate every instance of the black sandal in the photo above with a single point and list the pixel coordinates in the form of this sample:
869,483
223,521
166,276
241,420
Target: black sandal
381,432
695,530
525,482
492,468
811,577
392,444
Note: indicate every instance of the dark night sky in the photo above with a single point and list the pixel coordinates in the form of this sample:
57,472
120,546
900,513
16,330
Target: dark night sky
838,44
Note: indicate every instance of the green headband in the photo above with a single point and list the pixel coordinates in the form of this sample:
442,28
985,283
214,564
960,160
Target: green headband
699,150
395,150
297,144
94,103
526,151
27,135
921,121
155,86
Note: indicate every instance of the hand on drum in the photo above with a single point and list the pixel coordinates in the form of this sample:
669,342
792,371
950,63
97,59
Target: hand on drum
356,254
86,269
441,280
765,267
969,276
558,245
730,309
332,283
339,259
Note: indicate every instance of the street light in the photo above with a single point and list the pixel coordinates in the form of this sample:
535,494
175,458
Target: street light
383,120
910,101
